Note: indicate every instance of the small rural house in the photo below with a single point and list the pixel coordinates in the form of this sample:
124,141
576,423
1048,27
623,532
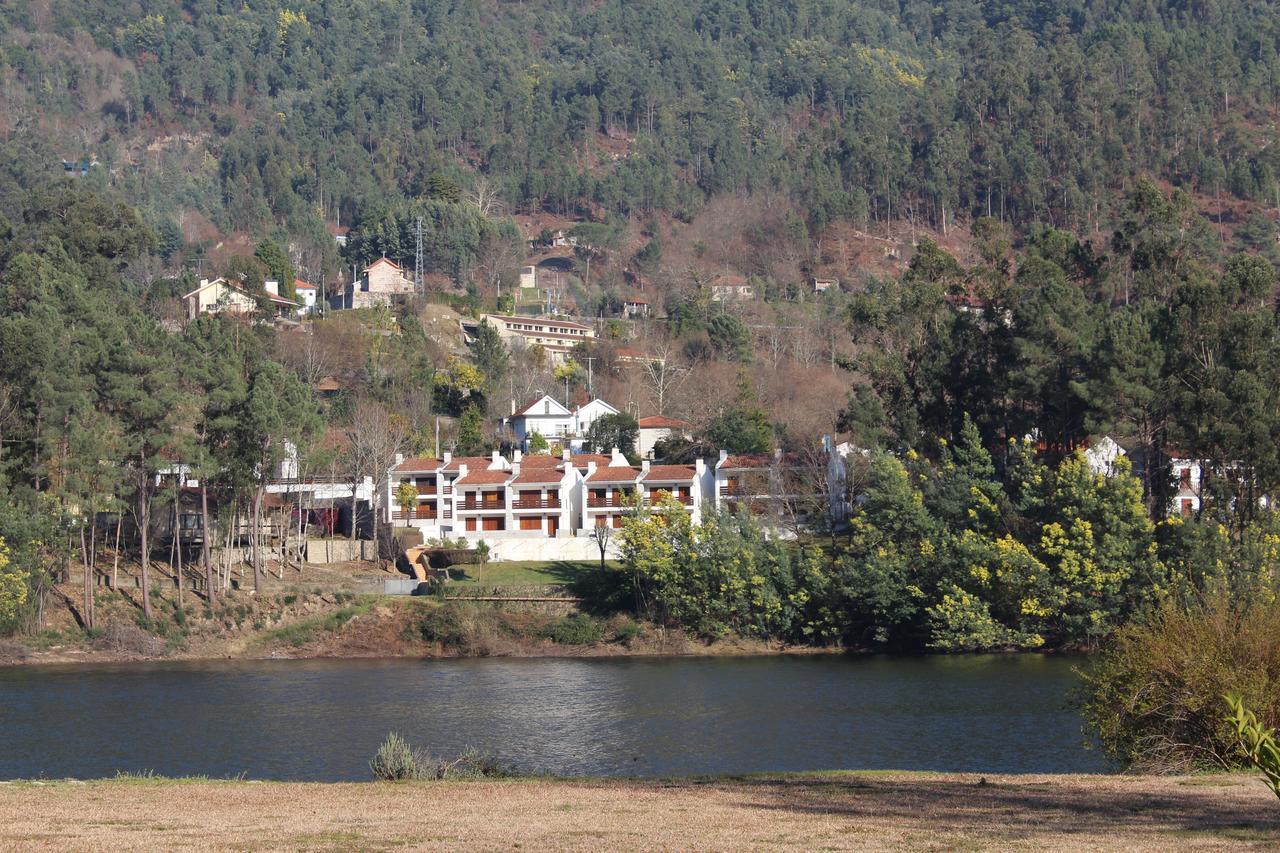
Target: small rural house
655,428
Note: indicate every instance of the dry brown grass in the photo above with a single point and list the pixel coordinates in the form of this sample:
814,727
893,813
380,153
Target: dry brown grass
825,811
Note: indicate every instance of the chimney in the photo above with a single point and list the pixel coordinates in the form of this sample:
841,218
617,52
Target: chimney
699,467
591,467
517,456
564,453
399,458
448,457
515,468
272,286
724,454
617,459
495,463
644,466
462,472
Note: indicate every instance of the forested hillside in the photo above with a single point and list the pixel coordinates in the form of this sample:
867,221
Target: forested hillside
256,116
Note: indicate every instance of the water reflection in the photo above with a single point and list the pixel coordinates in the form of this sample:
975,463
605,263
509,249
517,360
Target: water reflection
323,719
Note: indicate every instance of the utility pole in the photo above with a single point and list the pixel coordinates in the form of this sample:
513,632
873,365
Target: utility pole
589,359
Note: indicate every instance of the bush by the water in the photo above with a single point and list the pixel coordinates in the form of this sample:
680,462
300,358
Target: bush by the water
1154,696
397,761
577,630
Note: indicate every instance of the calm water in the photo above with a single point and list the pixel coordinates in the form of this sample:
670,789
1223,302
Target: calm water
323,719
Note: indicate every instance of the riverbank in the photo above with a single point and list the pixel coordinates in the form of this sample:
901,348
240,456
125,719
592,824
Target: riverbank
306,620
774,812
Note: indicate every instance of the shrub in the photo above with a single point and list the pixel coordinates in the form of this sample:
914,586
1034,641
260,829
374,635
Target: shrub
628,631
395,761
1256,743
444,625
1154,696
121,637
577,630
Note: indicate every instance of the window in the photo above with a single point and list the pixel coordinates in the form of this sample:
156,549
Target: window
1184,478
532,522
493,524
1188,507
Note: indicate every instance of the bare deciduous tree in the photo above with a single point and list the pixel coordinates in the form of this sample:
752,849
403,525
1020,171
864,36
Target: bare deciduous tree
374,437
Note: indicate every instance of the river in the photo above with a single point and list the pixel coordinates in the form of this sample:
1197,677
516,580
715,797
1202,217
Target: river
322,719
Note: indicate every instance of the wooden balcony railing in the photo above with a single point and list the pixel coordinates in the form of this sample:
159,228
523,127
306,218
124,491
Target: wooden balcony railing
414,514
607,503
536,503
687,500
497,506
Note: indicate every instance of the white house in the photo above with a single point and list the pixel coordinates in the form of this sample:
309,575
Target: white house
657,427
584,416
528,277
306,295
220,296
548,417
822,285
1101,457
544,415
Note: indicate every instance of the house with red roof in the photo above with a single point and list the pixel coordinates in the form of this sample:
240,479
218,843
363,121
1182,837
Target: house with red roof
655,428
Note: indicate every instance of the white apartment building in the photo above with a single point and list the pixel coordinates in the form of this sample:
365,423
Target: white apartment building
557,337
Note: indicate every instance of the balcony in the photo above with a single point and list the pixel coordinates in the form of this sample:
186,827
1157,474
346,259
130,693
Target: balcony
654,497
536,503
492,506
415,515
615,502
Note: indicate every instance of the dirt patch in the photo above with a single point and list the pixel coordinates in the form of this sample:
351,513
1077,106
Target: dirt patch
810,812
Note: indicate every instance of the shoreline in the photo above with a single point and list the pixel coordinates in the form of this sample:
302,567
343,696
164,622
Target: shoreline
778,811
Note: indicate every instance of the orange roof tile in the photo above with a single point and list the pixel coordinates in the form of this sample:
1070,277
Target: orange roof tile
613,474
754,460
483,478
662,422
541,461
581,460
669,473
473,463
538,476
416,464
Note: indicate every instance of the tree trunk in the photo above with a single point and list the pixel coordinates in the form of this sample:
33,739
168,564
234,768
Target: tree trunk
88,582
256,541
144,515
177,545
210,594
115,558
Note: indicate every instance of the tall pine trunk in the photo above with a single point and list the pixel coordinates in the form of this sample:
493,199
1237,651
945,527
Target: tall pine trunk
256,540
177,544
88,581
211,594
144,516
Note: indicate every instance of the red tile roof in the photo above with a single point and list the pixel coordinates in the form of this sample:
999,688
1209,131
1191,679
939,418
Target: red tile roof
299,284
662,422
669,473
538,476
612,474
541,460
473,463
581,460
381,261
754,460
418,463
483,478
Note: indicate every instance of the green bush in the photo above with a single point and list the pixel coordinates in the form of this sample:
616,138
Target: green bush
444,625
395,761
1257,743
1154,696
577,630
628,631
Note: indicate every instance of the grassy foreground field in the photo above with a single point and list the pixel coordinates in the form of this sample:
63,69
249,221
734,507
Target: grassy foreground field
836,811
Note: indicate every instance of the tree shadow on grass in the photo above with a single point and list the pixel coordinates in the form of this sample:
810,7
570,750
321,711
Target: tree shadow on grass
1007,810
